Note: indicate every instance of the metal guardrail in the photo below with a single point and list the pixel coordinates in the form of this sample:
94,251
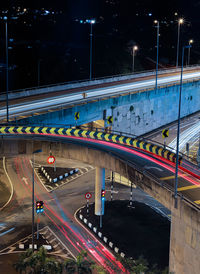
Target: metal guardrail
105,130
87,82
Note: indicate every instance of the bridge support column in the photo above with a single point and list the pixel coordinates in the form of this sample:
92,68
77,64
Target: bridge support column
184,240
99,185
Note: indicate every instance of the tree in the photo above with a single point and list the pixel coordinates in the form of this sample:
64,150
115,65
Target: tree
81,265
37,263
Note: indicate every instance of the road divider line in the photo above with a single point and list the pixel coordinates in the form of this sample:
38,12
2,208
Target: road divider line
188,187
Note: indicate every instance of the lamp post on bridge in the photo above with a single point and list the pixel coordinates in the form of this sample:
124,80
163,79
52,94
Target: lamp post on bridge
178,129
189,43
180,21
135,48
158,30
91,22
5,18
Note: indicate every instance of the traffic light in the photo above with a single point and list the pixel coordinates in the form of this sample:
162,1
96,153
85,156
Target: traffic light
39,207
103,193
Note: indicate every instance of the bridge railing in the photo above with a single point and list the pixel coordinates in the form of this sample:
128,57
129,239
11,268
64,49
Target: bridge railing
83,83
188,162
162,183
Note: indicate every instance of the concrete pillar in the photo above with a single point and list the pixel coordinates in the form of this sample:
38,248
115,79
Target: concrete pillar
99,185
184,240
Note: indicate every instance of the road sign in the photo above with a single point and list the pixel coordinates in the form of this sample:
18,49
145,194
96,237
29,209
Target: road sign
165,133
77,115
110,119
88,195
51,159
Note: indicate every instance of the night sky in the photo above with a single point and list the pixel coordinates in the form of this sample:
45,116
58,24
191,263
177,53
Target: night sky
58,45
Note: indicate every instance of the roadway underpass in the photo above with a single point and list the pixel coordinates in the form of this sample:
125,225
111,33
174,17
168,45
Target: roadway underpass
146,171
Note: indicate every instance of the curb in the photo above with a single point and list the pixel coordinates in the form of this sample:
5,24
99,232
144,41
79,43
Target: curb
100,235
54,180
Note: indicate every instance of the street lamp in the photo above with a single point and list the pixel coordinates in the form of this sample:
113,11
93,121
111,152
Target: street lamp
178,129
33,183
158,28
91,22
190,42
180,21
6,33
135,48
91,35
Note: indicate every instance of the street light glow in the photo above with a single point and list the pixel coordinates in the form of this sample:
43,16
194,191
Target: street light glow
191,41
155,21
92,21
180,21
135,48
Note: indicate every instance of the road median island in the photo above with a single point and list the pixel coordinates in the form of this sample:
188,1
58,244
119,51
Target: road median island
131,231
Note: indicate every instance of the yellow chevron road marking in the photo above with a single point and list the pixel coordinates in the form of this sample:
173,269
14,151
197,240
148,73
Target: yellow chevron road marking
36,130
171,156
11,129
154,149
44,130
19,129
141,145
84,134
148,147
91,134
107,137
99,135
2,129
60,131
160,151
197,202
76,132
135,143
114,138
68,132
165,154
121,139
52,130
27,130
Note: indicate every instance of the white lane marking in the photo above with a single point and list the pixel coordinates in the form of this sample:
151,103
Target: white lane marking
153,167
62,243
186,136
25,180
39,177
12,189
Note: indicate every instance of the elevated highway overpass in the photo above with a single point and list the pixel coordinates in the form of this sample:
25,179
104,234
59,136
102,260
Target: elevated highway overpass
150,171
132,101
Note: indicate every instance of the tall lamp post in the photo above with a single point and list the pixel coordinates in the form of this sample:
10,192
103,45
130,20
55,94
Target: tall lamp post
158,30
91,22
135,48
178,129
6,38
190,42
33,195
180,21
